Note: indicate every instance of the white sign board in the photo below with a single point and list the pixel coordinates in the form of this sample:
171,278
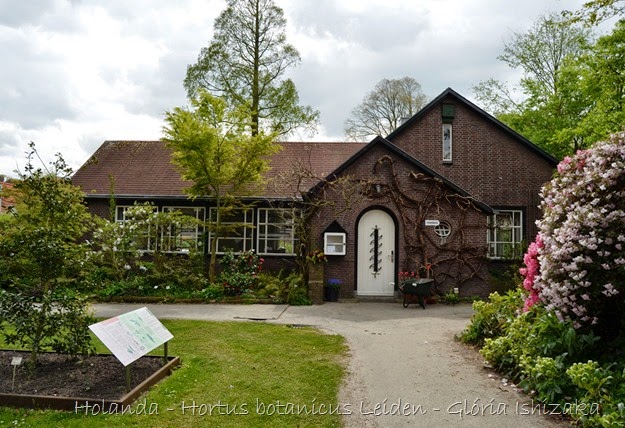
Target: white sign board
432,222
131,335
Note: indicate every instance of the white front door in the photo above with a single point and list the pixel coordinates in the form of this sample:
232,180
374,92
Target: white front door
376,254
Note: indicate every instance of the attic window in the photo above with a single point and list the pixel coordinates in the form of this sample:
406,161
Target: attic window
447,143
448,113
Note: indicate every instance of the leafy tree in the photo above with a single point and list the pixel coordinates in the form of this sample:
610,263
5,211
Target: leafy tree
215,151
597,77
594,12
42,254
547,103
382,110
245,63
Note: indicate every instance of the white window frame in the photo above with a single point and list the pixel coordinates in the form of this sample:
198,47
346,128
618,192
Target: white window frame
443,231
183,236
334,243
123,209
498,247
287,235
247,233
447,154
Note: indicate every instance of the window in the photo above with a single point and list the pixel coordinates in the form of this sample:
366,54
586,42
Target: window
447,142
443,230
276,231
505,234
334,243
184,237
124,213
237,230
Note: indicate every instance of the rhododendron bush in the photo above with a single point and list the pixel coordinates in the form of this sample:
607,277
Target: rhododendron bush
576,267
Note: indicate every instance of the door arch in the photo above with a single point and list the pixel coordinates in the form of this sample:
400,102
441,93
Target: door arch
376,254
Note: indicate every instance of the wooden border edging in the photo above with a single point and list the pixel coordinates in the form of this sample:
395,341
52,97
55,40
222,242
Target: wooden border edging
78,404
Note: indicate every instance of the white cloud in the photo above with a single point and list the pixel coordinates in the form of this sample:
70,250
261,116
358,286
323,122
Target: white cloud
76,73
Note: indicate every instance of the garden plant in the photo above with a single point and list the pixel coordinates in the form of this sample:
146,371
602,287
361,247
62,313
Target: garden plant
561,334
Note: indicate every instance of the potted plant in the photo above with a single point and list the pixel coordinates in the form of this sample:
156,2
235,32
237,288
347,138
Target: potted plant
331,290
452,297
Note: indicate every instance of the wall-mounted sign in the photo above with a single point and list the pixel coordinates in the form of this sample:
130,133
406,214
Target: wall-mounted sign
131,335
432,222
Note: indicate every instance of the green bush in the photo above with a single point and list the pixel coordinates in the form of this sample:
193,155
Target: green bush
545,375
491,318
57,320
602,387
239,272
212,292
43,255
297,290
536,349
272,287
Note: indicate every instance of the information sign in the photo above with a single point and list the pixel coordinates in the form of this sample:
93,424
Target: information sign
131,335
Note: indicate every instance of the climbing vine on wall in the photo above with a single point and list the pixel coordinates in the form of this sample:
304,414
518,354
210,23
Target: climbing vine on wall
450,260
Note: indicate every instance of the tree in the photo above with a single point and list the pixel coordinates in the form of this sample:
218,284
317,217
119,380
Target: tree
245,63
382,110
595,12
42,255
215,150
599,80
547,104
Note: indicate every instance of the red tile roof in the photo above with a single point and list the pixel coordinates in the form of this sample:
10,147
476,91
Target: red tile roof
6,201
144,168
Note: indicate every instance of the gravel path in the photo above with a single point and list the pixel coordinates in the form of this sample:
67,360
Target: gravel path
405,367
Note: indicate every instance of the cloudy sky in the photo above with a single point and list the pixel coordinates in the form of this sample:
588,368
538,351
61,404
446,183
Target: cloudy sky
77,72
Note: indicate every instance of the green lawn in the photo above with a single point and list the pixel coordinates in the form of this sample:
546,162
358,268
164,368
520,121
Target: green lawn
233,374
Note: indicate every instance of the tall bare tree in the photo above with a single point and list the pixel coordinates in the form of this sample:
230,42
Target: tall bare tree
245,64
382,110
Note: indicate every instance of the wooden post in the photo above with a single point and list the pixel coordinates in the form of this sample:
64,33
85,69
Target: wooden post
315,283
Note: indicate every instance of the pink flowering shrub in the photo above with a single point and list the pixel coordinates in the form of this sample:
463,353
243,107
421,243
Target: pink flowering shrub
580,269
530,272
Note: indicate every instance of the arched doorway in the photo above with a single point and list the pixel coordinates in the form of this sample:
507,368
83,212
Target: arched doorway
376,254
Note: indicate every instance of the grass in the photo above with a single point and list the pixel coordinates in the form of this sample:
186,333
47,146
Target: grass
233,374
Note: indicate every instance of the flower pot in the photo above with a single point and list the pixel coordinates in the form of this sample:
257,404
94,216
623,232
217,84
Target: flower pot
331,294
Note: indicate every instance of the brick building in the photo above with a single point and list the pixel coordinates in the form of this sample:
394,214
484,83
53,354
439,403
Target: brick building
448,194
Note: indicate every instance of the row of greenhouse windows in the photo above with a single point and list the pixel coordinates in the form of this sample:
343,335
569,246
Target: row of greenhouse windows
275,232
272,233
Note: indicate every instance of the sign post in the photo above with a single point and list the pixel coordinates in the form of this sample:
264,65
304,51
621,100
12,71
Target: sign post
132,335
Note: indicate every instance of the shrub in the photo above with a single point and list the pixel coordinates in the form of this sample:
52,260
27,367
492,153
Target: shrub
545,376
297,290
271,287
491,318
534,337
583,230
42,256
239,272
212,292
602,387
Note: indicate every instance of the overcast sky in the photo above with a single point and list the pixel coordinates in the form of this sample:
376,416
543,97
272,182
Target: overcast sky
76,73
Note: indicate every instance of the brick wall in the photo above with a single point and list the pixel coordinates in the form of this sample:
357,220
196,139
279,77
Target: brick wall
409,201
488,162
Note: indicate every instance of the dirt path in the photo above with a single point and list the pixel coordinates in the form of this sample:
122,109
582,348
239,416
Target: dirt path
406,369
